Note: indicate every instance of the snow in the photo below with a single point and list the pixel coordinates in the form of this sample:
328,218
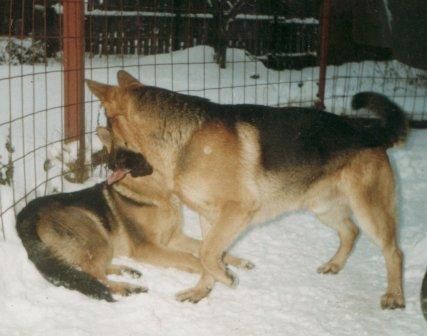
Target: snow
282,19
124,13
283,295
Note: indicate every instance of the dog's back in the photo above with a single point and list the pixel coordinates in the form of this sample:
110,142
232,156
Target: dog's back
288,136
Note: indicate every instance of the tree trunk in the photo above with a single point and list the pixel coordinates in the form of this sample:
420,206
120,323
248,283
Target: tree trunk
219,38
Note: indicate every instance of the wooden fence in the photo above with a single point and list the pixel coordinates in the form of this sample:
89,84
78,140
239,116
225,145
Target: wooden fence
150,27
146,33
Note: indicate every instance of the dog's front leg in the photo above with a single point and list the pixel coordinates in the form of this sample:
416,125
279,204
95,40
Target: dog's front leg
232,220
227,258
200,291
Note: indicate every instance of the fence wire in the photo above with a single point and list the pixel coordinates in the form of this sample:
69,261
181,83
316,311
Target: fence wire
230,52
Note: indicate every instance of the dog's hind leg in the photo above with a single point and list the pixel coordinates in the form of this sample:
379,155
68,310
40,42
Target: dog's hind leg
380,226
371,197
339,220
184,243
166,257
99,266
181,242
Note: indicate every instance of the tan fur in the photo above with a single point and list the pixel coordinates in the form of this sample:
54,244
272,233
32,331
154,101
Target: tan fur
217,172
146,225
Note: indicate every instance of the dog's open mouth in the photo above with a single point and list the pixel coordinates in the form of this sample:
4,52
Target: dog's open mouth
117,175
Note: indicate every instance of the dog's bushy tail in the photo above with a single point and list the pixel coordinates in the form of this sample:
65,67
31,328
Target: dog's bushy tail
51,267
424,296
394,121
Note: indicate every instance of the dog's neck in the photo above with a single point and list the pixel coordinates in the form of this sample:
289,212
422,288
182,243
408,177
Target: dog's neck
126,192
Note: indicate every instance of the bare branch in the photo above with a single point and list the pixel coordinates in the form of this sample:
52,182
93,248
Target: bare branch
235,8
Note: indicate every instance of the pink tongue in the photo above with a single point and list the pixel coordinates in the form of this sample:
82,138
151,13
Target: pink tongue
117,176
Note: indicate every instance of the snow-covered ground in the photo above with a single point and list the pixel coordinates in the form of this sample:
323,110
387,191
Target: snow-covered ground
283,295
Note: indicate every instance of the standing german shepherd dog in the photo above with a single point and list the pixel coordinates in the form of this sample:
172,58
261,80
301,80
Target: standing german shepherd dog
73,237
241,164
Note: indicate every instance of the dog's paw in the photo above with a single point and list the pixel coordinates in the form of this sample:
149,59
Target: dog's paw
231,260
134,290
245,264
233,280
392,300
329,267
193,295
248,265
132,272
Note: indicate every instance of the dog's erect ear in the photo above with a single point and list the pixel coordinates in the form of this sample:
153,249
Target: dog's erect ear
104,135
102,91
126,80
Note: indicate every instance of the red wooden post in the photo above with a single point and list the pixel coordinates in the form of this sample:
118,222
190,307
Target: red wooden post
324,44
73,62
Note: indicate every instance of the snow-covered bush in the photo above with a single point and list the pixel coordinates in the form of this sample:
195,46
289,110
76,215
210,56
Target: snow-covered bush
27,51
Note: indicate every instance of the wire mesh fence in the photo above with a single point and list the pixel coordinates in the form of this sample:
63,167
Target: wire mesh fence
230,52
407,86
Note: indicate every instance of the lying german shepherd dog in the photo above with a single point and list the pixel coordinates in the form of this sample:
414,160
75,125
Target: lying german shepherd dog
73,237
241,164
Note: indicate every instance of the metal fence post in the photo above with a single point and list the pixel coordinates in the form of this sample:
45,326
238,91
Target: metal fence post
324,44
73,62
